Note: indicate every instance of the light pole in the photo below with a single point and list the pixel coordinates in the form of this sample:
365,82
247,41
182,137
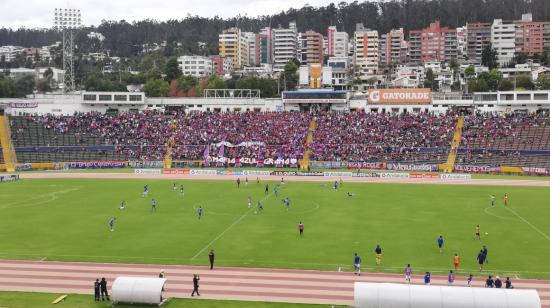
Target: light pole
67,20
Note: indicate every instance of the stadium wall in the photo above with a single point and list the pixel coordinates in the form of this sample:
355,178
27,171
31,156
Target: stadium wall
526,101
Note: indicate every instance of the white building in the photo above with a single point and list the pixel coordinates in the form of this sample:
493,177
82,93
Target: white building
337,43
196,66
252,48
10,52
366,51
285,46
503,39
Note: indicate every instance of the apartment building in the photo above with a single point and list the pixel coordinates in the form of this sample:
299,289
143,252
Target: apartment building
503,40
196,66
434,43
233,44
311,45
478,35
366,46
393,47
285,46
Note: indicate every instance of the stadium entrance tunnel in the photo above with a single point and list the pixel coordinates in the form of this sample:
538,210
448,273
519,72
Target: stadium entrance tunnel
139,290
378,295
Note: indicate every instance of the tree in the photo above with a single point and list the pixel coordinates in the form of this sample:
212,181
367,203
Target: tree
289,77
24,85
543,82
156,88
524,82
492,79
215,82
43,86
489,57
506,85
372,81
172,69
186,83
469,72
429,80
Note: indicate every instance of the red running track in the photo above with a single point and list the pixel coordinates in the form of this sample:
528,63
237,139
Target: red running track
249,284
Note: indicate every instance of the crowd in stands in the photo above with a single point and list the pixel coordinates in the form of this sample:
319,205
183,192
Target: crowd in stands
355,136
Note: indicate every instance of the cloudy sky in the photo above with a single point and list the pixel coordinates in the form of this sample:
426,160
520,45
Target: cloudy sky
38,13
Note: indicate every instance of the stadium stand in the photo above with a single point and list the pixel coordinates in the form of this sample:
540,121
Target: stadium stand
487,139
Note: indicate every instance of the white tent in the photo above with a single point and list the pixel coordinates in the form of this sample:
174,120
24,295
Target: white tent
138,290
391,295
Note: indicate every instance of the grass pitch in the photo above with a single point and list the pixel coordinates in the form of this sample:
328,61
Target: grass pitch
67,220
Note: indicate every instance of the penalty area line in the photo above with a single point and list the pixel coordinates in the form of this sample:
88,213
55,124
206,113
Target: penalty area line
227,229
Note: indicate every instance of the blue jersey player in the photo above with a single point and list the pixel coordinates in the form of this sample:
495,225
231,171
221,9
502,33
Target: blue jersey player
440,243
145,191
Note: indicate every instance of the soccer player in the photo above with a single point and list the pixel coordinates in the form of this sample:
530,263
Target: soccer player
96,290
481,260
199,212
153,205
211,257
357,265
174,186
485,252
287,203
122,205
112,223
350,194
456,261
246,182
477,233
440,243
260,207
505,199
335,185
341,182
145,191
182,191
301,229
276,190
249,202
257,180
469,281
492,200
378,252
451,277
427,278
266,189
282,181
408,273
238,182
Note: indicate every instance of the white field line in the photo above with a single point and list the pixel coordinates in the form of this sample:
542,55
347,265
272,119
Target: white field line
227,229
528,223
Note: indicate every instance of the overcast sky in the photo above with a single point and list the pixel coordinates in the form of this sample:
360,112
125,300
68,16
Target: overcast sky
38,13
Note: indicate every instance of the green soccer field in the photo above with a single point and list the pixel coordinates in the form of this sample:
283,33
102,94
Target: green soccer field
67,220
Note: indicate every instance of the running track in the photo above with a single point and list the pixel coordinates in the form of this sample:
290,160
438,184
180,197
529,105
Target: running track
250,284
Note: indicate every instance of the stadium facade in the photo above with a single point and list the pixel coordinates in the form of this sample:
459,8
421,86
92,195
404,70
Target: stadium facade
380,100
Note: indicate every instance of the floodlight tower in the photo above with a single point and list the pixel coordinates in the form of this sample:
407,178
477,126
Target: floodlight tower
67,20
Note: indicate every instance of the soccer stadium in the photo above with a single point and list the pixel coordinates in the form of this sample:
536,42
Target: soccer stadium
312,199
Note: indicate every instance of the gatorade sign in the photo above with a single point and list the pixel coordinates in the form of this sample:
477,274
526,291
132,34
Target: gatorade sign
400,96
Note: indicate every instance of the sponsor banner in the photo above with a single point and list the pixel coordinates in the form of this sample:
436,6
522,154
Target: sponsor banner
96,165
366,175
393,175
284,173
155,164
424,176
411,167
24,105
400,96
309,173
366,165
23,167
9,177
147,171
477,169
536,171
203,172
455,176
337,173
175,171
254,172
